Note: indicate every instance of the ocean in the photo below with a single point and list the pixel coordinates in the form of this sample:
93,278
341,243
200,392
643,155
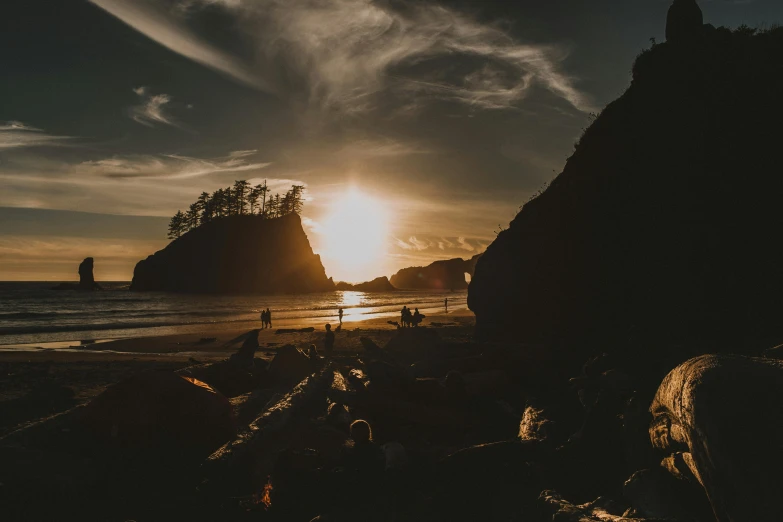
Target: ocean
31,313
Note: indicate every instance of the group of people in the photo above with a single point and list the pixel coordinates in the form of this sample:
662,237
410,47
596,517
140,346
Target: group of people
266,318
408,318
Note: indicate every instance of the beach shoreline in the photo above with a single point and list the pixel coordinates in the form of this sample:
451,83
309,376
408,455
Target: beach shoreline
192,338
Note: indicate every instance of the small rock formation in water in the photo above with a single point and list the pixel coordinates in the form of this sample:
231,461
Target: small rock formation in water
237,254
721,420
379,284
86,279
440,275
684,21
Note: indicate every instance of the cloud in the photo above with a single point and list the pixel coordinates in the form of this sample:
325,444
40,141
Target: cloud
444,244
379,148
356,55
169,166
154,24
464,245
15,134
152,109
413,243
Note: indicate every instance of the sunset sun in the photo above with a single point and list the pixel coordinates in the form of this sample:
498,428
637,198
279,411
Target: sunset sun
354,235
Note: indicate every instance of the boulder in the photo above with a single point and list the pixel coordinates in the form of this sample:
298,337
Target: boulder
724,414
160,411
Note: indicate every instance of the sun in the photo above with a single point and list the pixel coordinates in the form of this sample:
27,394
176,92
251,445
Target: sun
354,236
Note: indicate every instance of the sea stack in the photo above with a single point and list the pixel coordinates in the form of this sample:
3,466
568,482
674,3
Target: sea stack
684,21
660,230
86,278
234,255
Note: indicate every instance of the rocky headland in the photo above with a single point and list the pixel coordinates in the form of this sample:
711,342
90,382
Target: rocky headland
660,230
440,275
379,284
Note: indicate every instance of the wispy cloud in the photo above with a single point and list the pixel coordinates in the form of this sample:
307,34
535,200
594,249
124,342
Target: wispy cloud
155,24
413,243
15,134
464,245
351,55
380,148
152,108
170,166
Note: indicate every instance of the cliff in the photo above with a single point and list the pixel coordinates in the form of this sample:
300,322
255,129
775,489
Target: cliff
238,254
663,226
440,275
379,284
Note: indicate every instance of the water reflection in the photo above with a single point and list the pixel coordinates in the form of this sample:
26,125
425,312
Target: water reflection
350,302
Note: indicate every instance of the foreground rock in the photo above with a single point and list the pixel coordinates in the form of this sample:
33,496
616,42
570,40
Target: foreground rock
440,275
238,254
721,419
648,225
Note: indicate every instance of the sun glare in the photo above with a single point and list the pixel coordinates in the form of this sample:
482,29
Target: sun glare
354,236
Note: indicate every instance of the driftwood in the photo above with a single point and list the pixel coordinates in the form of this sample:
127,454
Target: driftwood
242,465
725,414
599,510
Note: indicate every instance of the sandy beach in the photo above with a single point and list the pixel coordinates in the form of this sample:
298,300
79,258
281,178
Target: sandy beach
38,382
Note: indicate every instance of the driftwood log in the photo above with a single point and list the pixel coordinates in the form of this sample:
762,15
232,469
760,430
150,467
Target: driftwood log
721,419
241,466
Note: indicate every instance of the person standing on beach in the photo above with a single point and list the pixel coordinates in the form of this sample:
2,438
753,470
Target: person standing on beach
268,318
263,318
329,340
446,304
340,313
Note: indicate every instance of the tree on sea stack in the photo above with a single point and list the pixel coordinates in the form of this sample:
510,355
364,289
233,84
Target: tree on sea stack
240,199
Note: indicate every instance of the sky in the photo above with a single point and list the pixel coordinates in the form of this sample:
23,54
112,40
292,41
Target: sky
449,115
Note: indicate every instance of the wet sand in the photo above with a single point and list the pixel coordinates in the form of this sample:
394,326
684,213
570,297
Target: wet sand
36,383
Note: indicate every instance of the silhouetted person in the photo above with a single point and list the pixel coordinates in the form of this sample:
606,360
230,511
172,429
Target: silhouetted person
340,313
446,304
684,21
312,352
417,317
268,318
329,340
263,319
362,455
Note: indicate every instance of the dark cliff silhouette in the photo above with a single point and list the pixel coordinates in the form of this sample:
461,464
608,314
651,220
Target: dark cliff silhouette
236,254
440,275
663,226
86,279
379,284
